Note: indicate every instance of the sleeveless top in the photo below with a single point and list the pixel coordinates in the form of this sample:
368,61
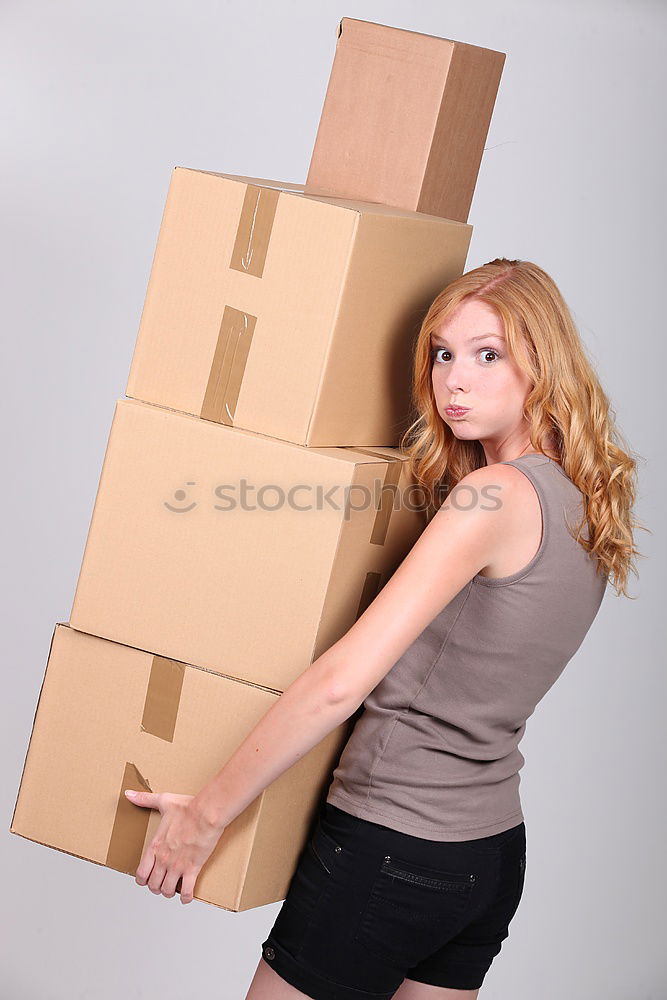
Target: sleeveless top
434,751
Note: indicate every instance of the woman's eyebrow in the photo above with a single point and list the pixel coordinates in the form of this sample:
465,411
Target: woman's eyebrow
482,336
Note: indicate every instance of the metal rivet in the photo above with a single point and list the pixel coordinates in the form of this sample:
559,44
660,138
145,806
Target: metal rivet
472,878
387,857
269,953
338,850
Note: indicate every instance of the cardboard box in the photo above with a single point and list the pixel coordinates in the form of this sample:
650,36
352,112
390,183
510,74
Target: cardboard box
235,551
405,119
110,717
289,315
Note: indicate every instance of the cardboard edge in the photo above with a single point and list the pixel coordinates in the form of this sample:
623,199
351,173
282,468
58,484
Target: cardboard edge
334,327
195,666
339,453
284,187
32,730
241,881
108,868
410,31
72,854
96,498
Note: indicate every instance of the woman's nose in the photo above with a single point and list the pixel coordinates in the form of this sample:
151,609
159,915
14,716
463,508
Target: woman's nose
455,381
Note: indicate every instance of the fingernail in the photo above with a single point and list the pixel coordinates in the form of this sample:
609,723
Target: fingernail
128,791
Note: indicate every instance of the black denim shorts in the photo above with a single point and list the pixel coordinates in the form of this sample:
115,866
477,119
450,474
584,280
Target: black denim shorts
369,906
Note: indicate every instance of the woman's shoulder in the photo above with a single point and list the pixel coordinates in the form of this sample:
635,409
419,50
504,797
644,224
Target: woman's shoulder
512,493
499,480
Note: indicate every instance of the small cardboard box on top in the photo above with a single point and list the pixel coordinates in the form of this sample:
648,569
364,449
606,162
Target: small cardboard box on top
289,315
235,551
405,119
110,717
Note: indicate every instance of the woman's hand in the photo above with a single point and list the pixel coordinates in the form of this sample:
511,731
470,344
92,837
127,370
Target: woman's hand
183,842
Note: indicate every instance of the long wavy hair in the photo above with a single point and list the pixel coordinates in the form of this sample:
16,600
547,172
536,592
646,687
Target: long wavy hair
567,410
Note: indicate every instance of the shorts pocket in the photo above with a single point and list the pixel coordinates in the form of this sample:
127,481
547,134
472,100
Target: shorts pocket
316,866
411,910
324,848
309,889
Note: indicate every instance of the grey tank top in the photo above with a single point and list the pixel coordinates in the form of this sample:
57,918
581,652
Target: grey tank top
434,751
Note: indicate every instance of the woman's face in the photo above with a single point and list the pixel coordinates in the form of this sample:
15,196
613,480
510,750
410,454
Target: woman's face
471,367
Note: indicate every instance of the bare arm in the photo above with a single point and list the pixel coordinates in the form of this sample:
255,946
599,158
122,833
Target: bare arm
458,542
304,714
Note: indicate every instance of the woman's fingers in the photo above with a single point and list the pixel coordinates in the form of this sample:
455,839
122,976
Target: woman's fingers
156,877
188,886
145,866
170,882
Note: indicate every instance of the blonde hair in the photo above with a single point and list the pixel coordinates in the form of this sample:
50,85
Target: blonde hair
567,410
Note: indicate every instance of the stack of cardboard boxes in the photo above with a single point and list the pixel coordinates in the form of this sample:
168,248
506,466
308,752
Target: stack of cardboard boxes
253,497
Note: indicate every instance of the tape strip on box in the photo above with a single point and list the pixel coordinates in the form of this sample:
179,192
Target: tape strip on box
163,696
229,362
254,230
130,825
253,235
369,592
392,478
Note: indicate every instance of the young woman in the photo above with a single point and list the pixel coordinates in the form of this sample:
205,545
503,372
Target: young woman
416,863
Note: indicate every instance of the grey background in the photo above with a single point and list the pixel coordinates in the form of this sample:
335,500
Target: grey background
99,102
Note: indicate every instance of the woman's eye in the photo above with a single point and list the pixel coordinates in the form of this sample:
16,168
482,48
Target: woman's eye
484,351
436,350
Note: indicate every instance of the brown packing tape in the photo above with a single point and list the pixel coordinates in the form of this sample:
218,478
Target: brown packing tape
253,235
163,696
369,592
392,478
254,230
229,361
378,535
130,824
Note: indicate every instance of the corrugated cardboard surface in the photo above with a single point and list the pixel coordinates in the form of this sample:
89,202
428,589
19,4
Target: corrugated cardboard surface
288,315
111,717
405,119
179,561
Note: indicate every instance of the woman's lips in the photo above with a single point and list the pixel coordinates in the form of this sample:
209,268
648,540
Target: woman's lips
456,411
